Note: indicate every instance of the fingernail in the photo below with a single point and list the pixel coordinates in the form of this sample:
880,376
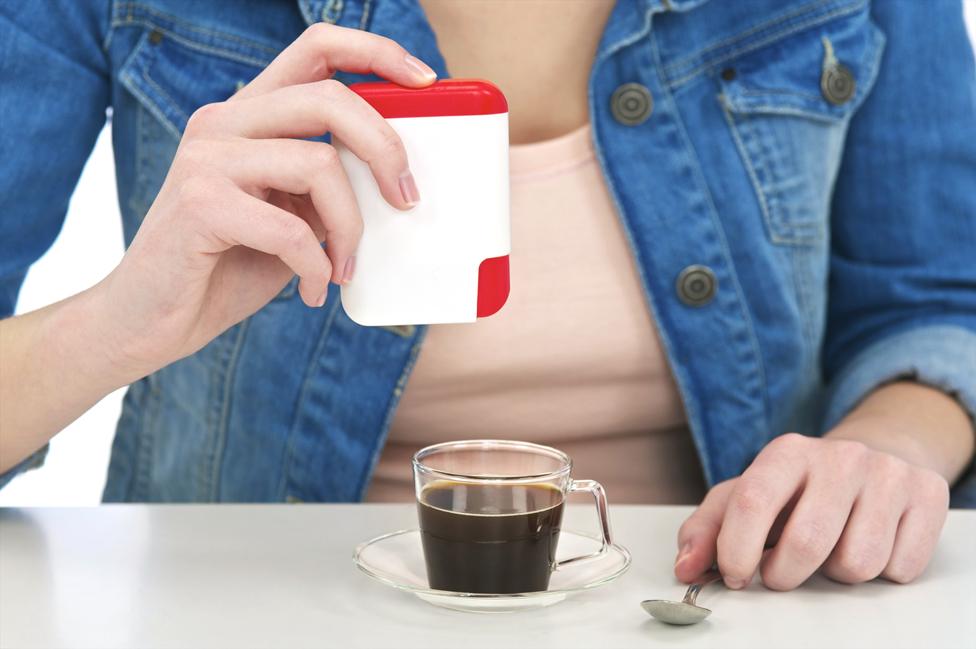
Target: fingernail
321,301
420,68
408,189
349,269
735,583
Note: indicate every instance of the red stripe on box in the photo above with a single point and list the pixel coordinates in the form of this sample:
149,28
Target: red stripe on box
443,98
493,285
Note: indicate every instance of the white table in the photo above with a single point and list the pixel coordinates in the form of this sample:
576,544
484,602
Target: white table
282,576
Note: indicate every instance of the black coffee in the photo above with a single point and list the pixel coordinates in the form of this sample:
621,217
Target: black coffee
502,539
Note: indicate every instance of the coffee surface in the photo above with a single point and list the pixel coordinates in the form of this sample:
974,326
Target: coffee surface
490,538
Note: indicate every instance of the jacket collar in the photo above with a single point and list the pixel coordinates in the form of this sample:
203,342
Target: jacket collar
631,21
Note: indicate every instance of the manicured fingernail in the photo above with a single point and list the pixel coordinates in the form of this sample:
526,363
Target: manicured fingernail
408,189
420,68
735,583
349,269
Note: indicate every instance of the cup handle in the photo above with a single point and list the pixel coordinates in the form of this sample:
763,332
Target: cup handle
600,498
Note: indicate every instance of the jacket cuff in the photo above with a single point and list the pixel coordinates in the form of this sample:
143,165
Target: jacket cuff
940,356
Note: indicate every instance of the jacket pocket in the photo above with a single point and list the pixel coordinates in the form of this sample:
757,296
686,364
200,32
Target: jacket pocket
788,106
174,69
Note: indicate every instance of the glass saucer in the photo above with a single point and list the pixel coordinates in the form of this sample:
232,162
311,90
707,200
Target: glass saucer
397,559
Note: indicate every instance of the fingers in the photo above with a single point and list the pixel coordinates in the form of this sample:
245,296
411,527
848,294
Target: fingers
248,221
323,49
302,167
864,548
919,529
811,531
851,510
757,498
697,535
313,109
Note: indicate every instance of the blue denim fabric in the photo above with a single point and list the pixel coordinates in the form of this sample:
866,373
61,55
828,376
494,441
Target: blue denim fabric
842,237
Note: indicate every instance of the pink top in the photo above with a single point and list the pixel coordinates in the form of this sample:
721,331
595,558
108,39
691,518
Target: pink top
573,359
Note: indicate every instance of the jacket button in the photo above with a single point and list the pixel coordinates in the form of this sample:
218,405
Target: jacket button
631,104
837,84
696,285
155,37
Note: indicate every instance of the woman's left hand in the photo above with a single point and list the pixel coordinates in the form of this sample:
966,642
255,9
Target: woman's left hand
829,504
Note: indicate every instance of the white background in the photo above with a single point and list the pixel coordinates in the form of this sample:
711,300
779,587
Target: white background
89,246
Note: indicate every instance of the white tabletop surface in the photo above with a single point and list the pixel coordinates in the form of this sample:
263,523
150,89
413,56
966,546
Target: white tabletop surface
282,576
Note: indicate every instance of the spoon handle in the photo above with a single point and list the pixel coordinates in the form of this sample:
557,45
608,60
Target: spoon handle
705,579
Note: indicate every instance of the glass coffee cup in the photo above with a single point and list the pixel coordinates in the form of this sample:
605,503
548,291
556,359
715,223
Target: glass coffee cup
490,514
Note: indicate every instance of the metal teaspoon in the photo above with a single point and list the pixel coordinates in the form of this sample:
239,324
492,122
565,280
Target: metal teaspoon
686,611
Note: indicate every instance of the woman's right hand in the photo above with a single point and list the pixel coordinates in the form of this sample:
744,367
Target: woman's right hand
246,204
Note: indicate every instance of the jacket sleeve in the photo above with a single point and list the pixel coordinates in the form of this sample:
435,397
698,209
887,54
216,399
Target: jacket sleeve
54,89
903,254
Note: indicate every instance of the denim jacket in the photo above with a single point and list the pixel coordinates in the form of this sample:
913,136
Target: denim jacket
796,179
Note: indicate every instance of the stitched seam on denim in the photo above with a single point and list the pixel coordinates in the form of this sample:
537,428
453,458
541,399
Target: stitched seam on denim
630,40
332,11
367,9
132,202
306,11
802,10
790,93
693,415
747,163
769,109
165,97
302,396
110,27
217,51
797,231
800,284
780,230
772,38
656,314
687,59
702,185
147,433
130,17
758,150
149,105
391,408
776,91
217,454
201,47
219,360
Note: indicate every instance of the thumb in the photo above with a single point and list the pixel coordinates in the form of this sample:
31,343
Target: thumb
698,534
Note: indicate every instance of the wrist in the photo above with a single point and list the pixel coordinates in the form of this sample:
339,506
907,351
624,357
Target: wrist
919,424
85,332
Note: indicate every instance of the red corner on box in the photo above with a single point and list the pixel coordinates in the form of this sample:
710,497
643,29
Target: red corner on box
493,285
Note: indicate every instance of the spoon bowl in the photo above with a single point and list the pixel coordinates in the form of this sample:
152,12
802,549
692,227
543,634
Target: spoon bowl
679,613
686,611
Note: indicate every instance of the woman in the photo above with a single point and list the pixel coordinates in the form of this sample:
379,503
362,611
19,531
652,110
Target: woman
767,227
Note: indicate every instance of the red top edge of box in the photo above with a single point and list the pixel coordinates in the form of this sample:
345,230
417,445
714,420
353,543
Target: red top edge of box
443,98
